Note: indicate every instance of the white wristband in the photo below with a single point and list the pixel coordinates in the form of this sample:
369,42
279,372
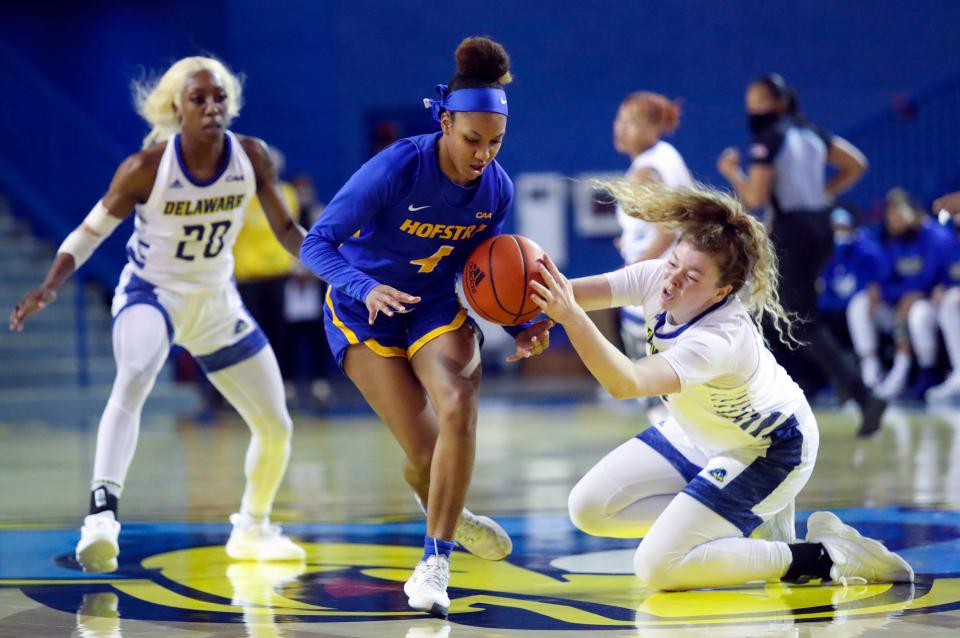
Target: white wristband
96,226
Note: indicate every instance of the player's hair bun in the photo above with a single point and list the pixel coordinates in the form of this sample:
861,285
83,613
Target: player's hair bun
481,60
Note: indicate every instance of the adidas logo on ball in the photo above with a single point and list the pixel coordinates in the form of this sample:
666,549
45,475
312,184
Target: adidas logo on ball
475,276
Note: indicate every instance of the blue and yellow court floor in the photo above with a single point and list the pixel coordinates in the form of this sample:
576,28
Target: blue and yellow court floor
345,501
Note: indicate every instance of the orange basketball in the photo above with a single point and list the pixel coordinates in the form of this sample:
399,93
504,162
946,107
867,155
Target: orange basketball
497,276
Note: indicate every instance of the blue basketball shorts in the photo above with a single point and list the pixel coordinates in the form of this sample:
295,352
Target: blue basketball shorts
402,335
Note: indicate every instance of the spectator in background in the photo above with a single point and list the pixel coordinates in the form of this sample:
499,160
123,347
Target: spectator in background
310,206
305,356
642,120
305,353
901,305
788,161
261,265
946,295
857,264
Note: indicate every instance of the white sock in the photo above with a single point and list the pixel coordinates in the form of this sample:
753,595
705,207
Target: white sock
922,324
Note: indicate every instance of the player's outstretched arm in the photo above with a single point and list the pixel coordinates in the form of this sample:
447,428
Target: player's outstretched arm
617,373
592,293
131,184
287,231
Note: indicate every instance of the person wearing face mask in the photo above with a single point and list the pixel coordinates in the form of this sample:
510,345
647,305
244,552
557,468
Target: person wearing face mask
390,244
857,264
911,245
642,120
190,187
787,173
946,295
711,488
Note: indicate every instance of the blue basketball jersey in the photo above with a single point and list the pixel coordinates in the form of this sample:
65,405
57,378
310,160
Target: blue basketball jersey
914,262
400,221
851,268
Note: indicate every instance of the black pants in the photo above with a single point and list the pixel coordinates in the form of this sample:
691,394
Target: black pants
304,355
804,243
264,299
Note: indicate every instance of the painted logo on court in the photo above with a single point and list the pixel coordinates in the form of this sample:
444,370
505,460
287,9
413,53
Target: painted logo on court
557,579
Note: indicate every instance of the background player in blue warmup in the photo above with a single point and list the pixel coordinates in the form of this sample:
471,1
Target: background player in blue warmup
911,244
390,244
857,265
189,186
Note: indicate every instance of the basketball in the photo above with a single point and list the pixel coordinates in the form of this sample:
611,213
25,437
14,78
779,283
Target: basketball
497,276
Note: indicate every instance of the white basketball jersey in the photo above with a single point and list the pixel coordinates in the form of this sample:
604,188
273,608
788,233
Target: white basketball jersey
732,390
666,160
184,234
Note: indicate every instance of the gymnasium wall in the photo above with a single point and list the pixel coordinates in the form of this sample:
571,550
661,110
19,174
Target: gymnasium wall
316,70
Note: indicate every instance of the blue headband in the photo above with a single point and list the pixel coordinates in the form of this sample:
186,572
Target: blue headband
483,100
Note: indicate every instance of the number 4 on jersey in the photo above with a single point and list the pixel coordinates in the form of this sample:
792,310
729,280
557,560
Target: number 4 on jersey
428,264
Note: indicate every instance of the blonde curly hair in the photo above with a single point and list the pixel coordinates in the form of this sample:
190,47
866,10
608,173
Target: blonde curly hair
715,223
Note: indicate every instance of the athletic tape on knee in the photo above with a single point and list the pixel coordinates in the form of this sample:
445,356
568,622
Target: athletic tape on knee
96,226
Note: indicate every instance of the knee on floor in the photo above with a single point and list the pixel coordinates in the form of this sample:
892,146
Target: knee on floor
587,512
656,571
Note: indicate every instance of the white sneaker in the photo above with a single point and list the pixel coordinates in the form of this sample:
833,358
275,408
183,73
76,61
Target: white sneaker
260,541
782,527
854,556
949,389
426,589
482,536
98,548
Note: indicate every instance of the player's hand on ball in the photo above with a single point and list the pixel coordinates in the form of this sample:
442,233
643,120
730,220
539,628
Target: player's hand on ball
532,341
387,300
32,302
555,295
